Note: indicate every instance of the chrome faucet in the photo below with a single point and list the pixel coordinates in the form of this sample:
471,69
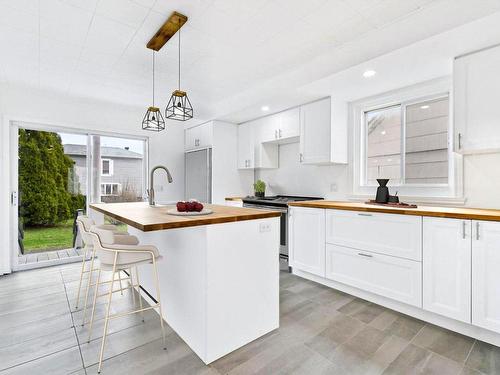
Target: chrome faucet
151,190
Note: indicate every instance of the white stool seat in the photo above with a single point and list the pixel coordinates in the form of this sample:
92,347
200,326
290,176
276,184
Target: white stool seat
141,255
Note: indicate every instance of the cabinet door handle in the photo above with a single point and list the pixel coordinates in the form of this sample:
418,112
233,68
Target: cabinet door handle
361,214
275,133
459,141
366,255
463,230
301,157
477,230
279,133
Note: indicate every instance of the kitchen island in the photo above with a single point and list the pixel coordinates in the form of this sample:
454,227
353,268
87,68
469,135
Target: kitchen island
219,276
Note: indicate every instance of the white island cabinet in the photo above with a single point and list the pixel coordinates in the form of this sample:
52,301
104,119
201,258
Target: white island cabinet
486,275
219,276
447,267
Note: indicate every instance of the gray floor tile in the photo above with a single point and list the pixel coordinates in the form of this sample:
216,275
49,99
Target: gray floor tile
416,360
339,331
33,314
354,306
64,362
369,313
449,344
484,358
384,320
405,327
36,348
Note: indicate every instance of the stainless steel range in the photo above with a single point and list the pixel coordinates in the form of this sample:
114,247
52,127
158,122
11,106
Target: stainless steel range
277,203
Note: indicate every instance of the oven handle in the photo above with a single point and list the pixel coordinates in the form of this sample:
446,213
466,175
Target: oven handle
263,207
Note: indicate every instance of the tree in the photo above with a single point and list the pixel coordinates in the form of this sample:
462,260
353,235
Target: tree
43,178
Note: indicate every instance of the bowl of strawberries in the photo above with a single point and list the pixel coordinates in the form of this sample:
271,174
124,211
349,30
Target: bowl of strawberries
189,208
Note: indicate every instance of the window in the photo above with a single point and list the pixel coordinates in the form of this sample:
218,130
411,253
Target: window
106,167
407,142
110,189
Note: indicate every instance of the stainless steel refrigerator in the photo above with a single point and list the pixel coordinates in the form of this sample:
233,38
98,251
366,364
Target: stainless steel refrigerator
198,166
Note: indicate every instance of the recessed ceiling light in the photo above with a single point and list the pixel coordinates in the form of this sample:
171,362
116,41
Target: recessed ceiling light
424,107
369,73
265,108
382,132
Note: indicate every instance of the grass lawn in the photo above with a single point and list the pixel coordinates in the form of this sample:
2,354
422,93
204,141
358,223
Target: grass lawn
48,238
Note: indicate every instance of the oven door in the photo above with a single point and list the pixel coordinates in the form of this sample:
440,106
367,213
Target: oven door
283,224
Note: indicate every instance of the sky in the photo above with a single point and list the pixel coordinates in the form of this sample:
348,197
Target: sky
81,139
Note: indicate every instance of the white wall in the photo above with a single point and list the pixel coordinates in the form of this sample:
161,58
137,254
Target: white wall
51,108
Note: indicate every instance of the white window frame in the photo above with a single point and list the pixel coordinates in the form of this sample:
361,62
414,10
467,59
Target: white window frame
452,192
111,184
110,161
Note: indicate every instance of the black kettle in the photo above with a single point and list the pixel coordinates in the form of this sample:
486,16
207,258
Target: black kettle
382,191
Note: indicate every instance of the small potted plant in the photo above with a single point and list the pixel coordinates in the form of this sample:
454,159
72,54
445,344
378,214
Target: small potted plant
260,188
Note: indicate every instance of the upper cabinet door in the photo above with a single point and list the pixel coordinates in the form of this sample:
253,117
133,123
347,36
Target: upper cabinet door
486,275
307,239
447,267
289,124
476,92
246,146
198,137
315,132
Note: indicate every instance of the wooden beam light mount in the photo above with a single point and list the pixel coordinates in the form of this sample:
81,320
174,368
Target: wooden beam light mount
167,31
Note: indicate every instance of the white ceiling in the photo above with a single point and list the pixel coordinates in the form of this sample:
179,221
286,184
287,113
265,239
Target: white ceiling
235,53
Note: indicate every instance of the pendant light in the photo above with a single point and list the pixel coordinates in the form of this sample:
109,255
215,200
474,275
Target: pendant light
153,120
179,107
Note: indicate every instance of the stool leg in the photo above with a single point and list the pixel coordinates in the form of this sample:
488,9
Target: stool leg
106,319
96,291
139,291
120,280
132,286
81,277
159,302
89,281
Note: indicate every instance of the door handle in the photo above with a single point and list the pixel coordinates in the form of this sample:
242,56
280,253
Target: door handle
275,133
279,133
361,214
366,255
459,141
477,230
301,157
463,230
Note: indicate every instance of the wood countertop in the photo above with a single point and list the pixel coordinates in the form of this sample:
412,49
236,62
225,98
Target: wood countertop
448,212
143,217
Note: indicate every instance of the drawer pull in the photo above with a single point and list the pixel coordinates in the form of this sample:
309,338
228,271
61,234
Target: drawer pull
366,255
360,214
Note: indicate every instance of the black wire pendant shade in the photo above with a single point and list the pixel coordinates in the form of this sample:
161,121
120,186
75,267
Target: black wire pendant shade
179,107
153,120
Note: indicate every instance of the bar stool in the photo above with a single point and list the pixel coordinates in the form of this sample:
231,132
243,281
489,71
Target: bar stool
116,258
84,223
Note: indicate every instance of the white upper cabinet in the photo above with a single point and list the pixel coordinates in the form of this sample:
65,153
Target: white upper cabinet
246,159
198,137
476,93
281,127
323,141
447,267
486,275
307,240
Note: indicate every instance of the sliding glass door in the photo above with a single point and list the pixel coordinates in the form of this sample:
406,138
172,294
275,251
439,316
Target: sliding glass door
58,174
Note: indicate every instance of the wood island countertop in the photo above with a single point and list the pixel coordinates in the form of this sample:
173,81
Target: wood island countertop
143,217
447,212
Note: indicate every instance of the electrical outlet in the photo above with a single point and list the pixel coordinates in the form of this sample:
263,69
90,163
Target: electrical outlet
265,227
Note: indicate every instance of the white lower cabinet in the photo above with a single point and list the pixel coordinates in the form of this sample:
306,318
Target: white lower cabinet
390,234
391,277
307,240
486,275
447,267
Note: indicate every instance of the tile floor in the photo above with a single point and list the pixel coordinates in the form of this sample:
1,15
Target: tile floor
322,331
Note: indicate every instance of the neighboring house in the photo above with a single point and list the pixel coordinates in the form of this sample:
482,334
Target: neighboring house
121,172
